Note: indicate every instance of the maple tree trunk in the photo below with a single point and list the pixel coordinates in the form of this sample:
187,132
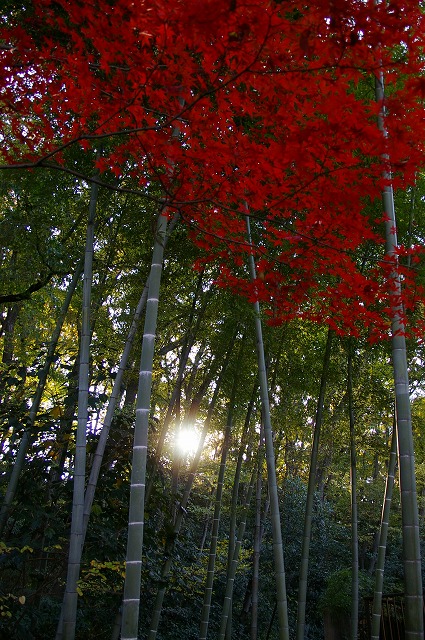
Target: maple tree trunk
354,518
414,628
131,600
282,605
67,621
308,517
42,377
382,546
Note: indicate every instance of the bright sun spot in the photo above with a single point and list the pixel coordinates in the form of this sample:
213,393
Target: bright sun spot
187,440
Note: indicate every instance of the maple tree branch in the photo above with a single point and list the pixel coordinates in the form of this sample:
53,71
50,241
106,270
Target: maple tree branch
179,204
171,121
174,204
265,251
41,164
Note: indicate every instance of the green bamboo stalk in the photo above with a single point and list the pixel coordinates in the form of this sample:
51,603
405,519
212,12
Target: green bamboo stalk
182,506
385,520
115,395
181,510
257,542
67,622
104,434
65,422
184,356
282,605
35,405
354,517
206,607
131,601
308,516
414,623
233,566
260,520
260,517
236,481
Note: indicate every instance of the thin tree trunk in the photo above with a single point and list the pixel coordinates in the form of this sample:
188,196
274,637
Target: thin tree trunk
185,352
257,541
181,510
414,627
232,572
206,608
65,423
190,418
260,517
192,375
354,528
177,460
68,618
182,507
35,405
103,437
8,329
282,605
385,519
308,517
131,601
207,525
270,627
236,483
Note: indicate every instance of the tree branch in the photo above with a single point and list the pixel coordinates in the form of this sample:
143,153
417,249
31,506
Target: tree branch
26,295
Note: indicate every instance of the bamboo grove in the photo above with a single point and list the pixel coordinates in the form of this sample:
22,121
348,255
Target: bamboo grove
211,290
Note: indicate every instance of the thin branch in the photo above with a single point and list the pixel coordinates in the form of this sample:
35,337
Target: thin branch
26,295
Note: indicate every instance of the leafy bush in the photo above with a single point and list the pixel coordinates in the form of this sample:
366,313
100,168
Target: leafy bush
337,597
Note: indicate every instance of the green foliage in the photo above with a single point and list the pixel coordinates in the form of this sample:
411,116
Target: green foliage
337,596
42,218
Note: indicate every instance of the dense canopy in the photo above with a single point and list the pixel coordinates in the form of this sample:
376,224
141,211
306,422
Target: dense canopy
231,106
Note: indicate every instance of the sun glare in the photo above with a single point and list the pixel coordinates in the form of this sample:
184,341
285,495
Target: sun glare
187,440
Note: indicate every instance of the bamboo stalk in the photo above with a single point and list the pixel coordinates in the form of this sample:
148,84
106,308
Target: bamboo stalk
67,622
414,623
35,405
182,506
354,518
383,532
308,516
282,605
131,600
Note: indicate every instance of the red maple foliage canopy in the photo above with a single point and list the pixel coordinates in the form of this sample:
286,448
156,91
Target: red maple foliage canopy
267,107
